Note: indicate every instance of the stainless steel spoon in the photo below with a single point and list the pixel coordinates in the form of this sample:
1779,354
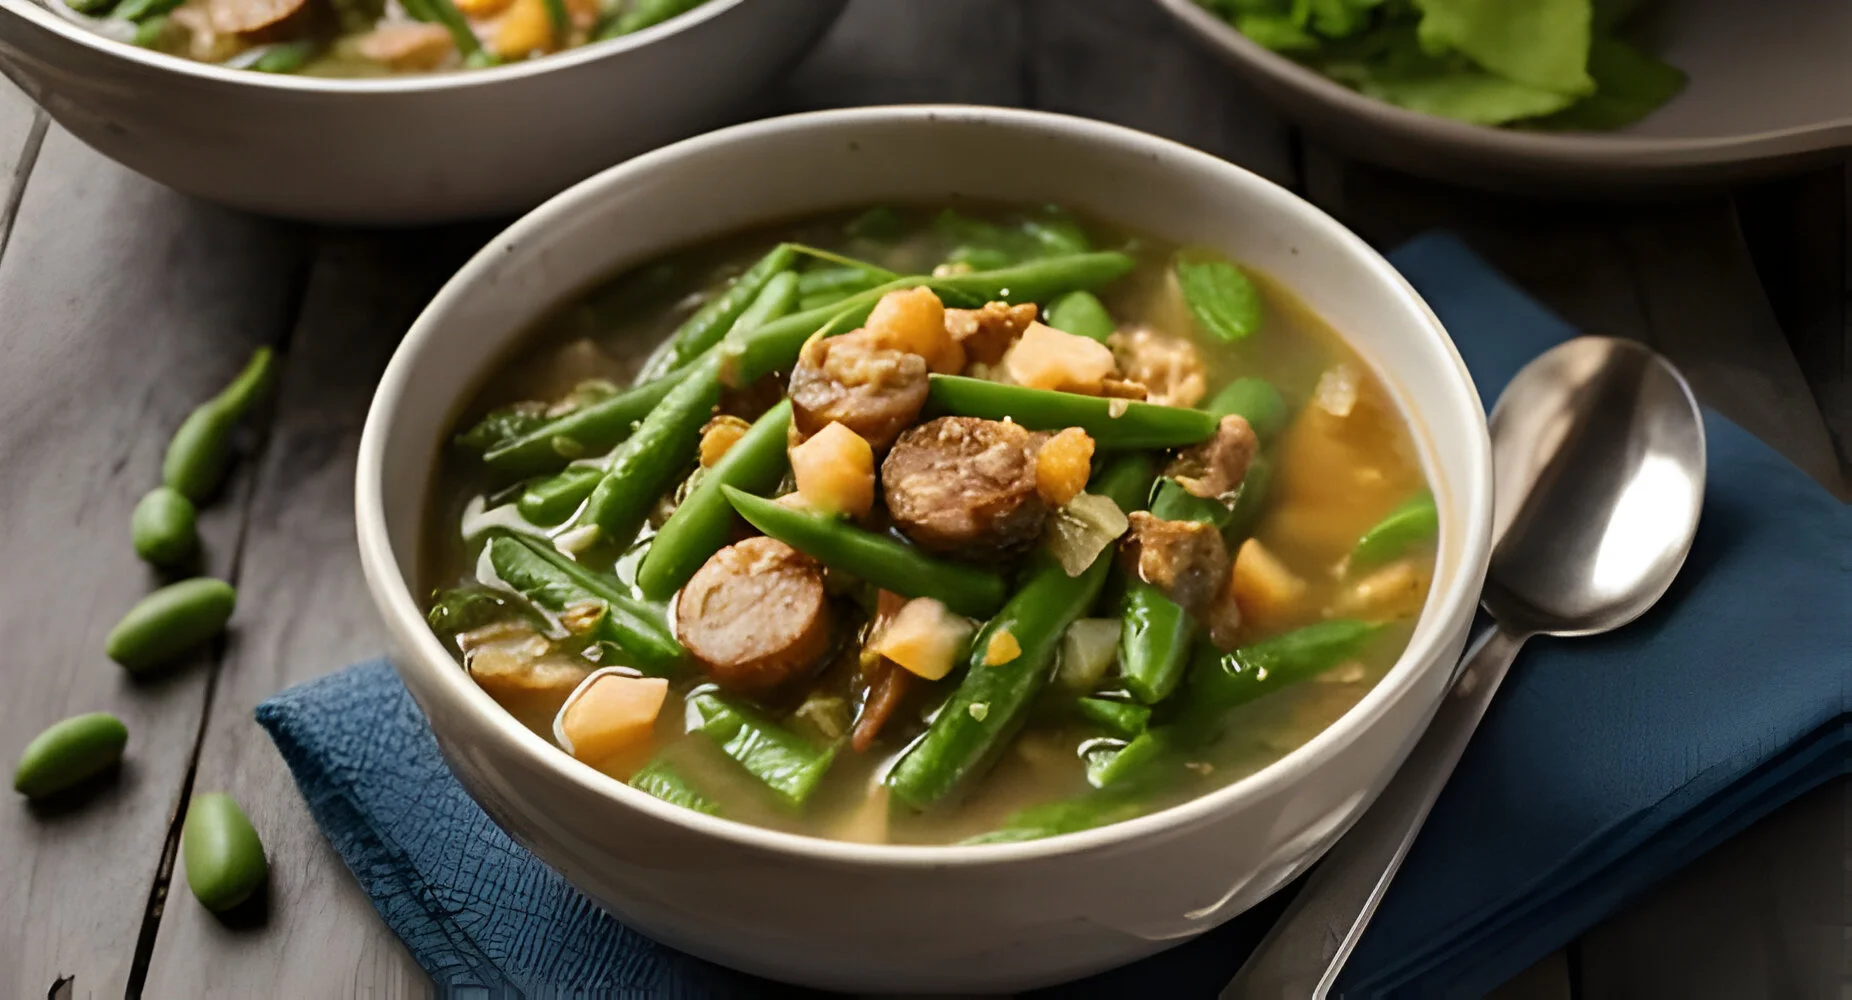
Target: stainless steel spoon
1598,466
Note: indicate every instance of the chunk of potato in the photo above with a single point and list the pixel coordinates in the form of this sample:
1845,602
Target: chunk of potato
524,30
1046,358
1264,589
609,713
913,320
835,472
925,638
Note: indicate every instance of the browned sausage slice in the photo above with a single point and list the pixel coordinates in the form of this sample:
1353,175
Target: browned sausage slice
873,390
244,17
755,615
965,486
1187,560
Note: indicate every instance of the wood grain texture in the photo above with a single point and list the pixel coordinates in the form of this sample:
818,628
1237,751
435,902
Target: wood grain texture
887,52
126,304
1763,916
310,614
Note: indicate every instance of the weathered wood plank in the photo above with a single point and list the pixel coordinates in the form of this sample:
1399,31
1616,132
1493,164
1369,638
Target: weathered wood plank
125,305
1128,62
881,52
308,614
22,131
1765,915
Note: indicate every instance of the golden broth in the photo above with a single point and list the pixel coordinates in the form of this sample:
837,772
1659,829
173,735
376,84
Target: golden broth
1334,477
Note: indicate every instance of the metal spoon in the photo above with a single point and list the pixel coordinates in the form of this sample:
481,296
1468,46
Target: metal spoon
1598,466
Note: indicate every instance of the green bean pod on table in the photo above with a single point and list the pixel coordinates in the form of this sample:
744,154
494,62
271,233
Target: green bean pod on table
951,524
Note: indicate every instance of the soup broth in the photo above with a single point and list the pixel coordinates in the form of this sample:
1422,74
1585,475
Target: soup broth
1327,541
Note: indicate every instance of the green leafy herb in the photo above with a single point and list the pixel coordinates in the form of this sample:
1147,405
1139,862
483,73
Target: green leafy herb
1221,298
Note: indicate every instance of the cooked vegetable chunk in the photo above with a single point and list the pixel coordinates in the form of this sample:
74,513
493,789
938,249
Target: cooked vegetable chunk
755,615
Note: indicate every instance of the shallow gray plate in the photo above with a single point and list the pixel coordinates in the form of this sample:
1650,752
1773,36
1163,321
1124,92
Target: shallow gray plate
1770,90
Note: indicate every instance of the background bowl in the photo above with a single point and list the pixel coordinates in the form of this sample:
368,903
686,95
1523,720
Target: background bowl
407,149
1769,89
887,918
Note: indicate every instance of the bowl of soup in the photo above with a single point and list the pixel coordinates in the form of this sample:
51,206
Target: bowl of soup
398,112
970,549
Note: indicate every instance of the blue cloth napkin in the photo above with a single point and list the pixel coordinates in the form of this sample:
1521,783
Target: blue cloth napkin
1604,765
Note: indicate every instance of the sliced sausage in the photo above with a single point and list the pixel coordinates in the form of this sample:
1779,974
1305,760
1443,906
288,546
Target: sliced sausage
755,614
874,390
1216,467
1187,560
250,17
966,487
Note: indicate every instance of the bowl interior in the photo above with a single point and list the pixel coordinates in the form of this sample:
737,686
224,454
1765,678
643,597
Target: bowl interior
751,174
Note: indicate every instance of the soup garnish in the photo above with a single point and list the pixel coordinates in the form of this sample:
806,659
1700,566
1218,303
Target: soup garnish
931,527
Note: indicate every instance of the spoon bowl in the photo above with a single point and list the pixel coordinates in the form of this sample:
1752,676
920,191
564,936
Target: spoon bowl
1598,476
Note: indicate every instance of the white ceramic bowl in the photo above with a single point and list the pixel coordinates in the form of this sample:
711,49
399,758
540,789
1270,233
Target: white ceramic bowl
884,918
406,149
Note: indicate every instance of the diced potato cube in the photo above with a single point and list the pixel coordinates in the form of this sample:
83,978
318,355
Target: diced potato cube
925,638
1046,358
1264,589
835,471
611,712
524,30
1062,466
913,320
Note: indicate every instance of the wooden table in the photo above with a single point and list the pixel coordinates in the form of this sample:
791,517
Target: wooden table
125,303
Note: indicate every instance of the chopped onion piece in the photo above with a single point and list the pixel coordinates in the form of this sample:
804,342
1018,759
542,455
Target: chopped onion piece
1088,649
1080,531
1336,393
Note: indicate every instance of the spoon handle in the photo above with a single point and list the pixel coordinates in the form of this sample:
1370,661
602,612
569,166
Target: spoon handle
1302,955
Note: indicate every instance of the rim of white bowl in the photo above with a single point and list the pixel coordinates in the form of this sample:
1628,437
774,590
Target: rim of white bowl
423,651
36,12
1615,150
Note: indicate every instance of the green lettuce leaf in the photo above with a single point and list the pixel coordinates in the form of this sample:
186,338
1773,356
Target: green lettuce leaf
1629,85
1536,43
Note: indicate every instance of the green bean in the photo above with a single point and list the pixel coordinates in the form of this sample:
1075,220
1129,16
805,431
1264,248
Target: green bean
1056,232
285,57
542,575
644,466
224,858
992,699
1252,499
841,280
445,12
201,449
552,500
702,521
1036,281
1137,425
1120,718
149,32
558,17
1220,682
788,764
1417,520
588,431
1050,819
418,10
1081,313
883,561
162,527
776,299
658,778
138,10
171,621
505,425
95,8
70,753
1255,399
1223,300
